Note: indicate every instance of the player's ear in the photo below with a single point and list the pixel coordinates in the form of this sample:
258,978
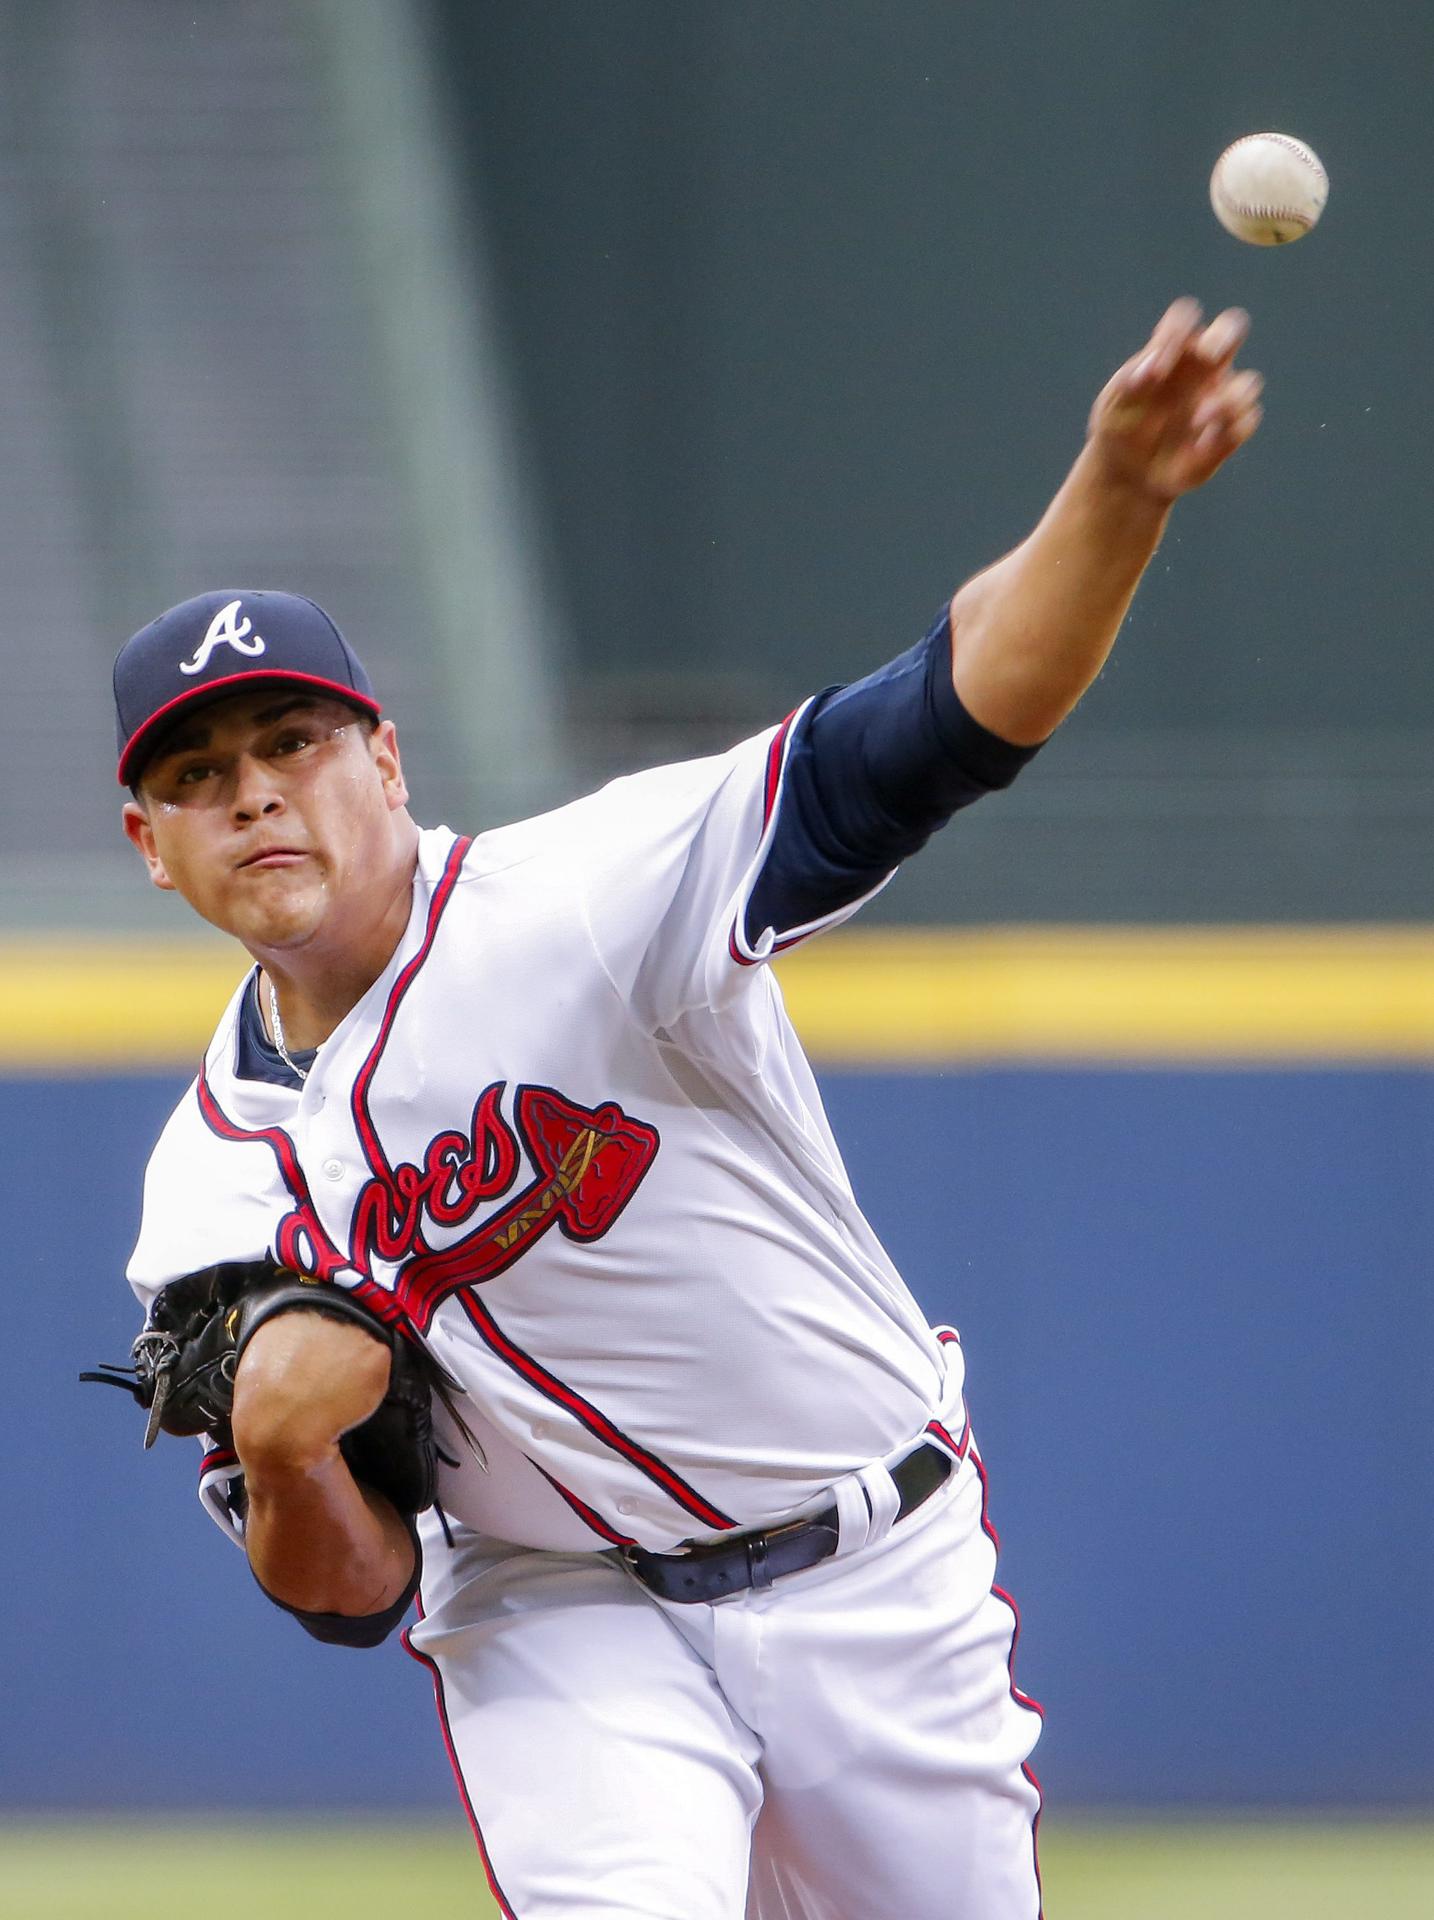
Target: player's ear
383,745
140,835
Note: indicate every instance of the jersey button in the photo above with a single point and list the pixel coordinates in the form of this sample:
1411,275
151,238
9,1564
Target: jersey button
542,1429
333,1169
627,1506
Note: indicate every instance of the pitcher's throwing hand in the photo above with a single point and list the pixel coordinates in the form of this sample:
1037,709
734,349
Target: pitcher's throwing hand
1179,408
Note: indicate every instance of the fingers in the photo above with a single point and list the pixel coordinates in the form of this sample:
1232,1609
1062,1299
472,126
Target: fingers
1179,345
1224,421
1173,333
1176,411
1215,445
1223,338
1225,401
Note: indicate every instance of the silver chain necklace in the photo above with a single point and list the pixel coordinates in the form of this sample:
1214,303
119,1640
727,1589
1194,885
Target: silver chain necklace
277,1024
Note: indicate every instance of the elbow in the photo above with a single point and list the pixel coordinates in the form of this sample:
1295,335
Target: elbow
1004,676
341,1619
357,1606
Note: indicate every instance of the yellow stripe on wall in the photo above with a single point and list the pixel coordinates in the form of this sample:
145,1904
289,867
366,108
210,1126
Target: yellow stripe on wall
85,1005
1117,993
907,997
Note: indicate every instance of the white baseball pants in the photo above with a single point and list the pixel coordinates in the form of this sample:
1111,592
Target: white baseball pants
845,1745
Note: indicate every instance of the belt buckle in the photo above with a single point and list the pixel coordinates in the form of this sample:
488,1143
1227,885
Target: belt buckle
759,1545
759,1575
752,1551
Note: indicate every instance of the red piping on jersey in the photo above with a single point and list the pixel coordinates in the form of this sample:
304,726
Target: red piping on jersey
303,1223
778,946
442,893
596,1422
442,1706
776,765
326,1259
958,1447
776,757
1021,1699
216,1460
585,1513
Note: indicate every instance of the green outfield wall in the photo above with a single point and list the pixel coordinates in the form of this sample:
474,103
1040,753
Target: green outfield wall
807,302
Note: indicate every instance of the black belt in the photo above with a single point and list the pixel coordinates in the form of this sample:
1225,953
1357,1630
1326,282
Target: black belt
757,1559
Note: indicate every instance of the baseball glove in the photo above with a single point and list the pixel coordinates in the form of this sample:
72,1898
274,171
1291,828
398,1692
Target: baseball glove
186,1358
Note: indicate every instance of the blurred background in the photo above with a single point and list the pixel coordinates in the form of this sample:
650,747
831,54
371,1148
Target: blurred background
618,372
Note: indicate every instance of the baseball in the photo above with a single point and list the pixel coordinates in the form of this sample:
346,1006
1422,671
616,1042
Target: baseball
1268,188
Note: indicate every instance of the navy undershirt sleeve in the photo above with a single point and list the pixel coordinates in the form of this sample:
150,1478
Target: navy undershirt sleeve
872,771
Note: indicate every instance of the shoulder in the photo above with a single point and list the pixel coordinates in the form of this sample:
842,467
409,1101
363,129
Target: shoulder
189,1179
174,1234
633,811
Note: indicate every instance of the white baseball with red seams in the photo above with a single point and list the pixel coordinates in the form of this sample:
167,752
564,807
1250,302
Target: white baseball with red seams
1268,189
569,1136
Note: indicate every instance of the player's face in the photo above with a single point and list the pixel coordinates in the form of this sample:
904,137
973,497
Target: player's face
275,814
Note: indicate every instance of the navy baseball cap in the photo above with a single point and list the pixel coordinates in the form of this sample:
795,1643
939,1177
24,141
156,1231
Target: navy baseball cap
218,643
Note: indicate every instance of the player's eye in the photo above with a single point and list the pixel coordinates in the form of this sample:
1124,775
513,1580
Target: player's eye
293,740
194,773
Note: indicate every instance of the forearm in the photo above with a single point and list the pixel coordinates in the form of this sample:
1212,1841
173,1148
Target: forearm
318,1542
321,1543
1031,633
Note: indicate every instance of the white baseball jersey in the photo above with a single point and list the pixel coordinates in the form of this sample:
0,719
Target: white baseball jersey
570,1135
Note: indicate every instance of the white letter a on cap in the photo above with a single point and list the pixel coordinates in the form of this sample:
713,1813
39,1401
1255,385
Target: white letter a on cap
224,629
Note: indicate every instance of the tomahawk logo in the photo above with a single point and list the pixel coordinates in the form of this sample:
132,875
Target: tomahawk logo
228,628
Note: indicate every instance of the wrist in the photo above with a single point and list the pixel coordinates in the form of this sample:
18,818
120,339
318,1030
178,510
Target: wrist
1116,488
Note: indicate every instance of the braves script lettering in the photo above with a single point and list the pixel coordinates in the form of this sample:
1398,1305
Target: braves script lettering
588,1161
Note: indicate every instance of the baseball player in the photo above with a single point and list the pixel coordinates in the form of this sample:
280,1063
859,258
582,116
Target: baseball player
705,1576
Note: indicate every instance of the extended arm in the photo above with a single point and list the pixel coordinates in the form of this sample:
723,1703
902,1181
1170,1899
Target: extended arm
318,1542
1031,633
